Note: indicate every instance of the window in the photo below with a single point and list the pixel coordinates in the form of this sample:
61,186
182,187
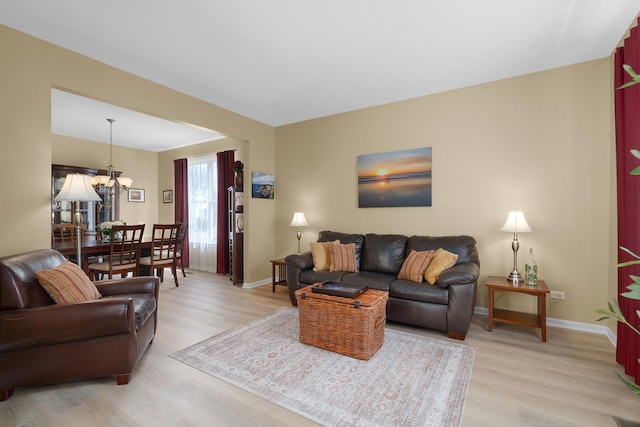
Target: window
203,208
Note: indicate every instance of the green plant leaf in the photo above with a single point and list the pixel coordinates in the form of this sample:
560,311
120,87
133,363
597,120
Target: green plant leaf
626,85
635,77
629,70
635,171
631,295
629,384
630,252
634,289
635,153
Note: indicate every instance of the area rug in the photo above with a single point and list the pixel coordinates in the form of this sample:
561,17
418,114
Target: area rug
411,381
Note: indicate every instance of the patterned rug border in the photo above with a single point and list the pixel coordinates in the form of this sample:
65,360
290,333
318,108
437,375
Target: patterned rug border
463,368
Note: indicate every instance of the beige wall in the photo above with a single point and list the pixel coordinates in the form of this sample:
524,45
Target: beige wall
540,143
140,165
30,68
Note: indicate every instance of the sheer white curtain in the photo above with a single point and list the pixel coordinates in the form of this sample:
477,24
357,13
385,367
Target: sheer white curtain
203,207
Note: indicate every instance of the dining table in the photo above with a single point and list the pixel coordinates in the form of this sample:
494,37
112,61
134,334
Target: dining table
93,248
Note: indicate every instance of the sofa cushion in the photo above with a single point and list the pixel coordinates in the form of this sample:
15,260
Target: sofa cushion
342,257
463,246
406,289
415,265
442,260
378,281
320,254
309,277
67,283
357,239
383,253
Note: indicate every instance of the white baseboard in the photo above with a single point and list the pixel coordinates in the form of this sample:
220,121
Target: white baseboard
251,285
568,324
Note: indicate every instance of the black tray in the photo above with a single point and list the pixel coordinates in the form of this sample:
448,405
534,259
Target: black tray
339,289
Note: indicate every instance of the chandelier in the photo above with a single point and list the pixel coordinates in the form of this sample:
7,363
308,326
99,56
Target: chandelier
110,180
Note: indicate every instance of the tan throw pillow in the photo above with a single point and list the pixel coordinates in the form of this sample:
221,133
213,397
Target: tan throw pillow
343,257
67,283
320,255
441,261
415,265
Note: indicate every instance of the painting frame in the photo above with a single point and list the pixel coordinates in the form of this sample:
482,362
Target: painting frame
167,196
395,179
135,195
263,185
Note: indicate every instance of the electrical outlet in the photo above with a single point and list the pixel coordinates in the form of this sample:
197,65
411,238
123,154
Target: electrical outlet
556,295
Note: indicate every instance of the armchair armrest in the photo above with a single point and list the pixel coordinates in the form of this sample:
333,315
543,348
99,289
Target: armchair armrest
130,285
463,273
302,261
61,323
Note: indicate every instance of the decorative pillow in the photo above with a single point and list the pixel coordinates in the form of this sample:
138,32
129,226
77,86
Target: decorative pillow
320,254
442,260
67,283
415,265
343,257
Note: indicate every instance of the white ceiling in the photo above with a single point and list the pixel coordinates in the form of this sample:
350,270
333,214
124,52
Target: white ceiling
284,61
84,118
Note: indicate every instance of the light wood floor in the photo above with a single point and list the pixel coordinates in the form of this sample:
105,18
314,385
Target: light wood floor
516,381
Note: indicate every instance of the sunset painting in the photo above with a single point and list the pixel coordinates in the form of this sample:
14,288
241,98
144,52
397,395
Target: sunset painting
398,178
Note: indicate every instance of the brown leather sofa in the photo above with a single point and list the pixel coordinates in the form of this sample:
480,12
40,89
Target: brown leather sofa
447,305
42,342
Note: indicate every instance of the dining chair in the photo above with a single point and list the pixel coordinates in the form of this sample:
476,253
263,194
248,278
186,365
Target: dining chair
163,251
63,233
124,254
182,232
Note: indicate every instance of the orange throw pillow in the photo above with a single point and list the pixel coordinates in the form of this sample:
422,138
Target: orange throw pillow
320,255
415,265
343,257
441,261
67,283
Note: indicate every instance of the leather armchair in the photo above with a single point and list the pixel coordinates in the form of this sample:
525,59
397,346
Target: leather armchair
42,342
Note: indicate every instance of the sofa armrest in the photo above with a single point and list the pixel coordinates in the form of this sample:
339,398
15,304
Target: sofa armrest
129,285
464,273
62,323
296,264
302,261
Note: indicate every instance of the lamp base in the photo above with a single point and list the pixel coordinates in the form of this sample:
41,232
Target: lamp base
515,276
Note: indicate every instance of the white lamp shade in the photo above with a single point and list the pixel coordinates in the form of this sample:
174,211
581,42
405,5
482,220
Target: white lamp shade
298,220
516,223
77,188
125,182
100,179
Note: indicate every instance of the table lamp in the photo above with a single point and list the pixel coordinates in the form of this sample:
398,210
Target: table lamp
516,223
299,221
77,188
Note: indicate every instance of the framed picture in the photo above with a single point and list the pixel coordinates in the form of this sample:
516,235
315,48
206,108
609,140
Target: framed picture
263,185
395,179
136,195
167,196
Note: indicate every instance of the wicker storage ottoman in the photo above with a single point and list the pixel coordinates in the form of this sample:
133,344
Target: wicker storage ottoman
350,326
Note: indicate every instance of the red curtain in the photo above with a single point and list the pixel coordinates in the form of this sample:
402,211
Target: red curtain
627,113
181,203
225,180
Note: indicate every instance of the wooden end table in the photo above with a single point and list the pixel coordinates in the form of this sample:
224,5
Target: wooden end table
501,284
281,277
